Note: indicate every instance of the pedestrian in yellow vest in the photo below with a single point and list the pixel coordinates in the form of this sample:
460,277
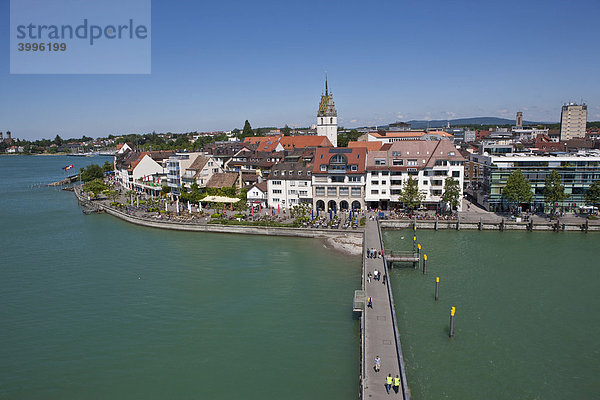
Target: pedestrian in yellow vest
388,383
396,384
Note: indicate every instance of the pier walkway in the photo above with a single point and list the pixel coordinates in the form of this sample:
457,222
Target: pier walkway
379,328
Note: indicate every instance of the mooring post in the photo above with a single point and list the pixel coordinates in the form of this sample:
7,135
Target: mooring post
437,288
458,223
419,251
436,222
480,224
452,311
502,225
424,264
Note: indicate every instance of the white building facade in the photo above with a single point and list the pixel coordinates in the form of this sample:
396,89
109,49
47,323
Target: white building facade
427,162
290,184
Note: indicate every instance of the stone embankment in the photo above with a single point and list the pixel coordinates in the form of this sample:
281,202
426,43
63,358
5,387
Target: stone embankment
502,225
342,240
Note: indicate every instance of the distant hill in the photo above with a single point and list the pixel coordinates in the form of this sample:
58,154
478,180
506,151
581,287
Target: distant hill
442,123
439,123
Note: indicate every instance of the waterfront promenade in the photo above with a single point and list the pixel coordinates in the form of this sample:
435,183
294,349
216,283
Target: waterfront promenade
380,333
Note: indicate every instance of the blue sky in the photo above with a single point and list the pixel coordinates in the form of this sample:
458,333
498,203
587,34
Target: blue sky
215,64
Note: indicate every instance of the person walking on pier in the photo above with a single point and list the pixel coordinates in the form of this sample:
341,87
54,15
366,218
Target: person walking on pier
377,364
376,274
396,384
388,383
370,303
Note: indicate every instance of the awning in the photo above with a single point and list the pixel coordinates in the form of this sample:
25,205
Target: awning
220,199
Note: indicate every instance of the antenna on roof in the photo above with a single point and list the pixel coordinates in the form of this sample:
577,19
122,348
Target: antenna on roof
326,90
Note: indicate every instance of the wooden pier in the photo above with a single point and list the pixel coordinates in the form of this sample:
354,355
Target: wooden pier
379,328
401,256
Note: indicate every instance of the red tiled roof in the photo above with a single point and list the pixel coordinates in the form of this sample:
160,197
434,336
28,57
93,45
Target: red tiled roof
370,146
299,142
354,156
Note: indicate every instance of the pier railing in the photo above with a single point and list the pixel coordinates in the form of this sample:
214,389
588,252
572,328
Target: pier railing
401,365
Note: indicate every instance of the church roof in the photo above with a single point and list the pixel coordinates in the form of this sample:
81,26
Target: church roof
327,106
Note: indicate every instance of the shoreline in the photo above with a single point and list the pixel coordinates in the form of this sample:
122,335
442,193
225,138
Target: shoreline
348,242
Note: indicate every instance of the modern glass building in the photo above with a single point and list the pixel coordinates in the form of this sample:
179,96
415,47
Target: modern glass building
577,172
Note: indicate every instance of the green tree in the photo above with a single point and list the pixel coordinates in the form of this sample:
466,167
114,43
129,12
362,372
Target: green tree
345,137
58,140
411,196
95,186
554,190
286,130
247,131
451,194
592,195
93,171
517,189
107,167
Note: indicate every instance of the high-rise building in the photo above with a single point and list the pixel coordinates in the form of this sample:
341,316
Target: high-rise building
573,120
519,121
327,117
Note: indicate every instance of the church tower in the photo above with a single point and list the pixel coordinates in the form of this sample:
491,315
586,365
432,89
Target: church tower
327,117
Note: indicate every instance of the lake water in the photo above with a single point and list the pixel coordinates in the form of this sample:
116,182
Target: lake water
93,307
527,322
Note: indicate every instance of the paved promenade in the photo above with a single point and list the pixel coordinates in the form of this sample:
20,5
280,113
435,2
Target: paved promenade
379,327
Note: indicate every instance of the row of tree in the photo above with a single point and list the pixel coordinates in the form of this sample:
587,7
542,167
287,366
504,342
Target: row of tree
518,190
412,197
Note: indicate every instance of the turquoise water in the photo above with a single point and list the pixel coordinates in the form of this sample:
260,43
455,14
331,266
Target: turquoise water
93,307
527,321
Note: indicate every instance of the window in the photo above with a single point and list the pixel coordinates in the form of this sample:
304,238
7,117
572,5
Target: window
344,191
276,200
456,174
320,191
331,191
276,191
385,173
275,173
396,183
354,167
276,182
380,161
374,182
338,159
291,173
292,183
356,192
303,193
354,179
338,179
323,167
383,191
374,191
412,162
291,192
384,182
308,173
396,154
